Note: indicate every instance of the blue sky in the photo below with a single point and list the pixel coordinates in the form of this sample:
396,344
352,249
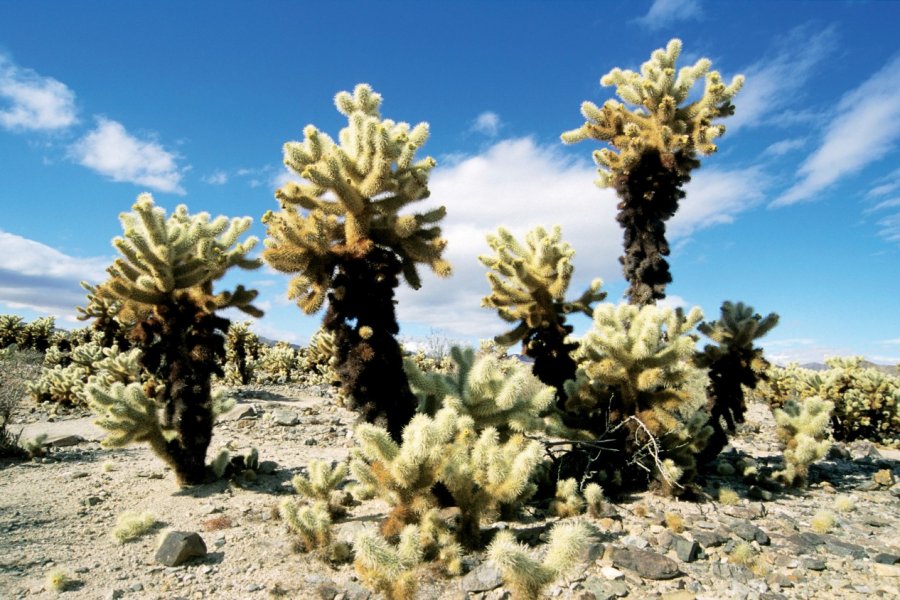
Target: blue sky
798,213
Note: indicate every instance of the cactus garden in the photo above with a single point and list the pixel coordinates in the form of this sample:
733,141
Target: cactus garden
589,445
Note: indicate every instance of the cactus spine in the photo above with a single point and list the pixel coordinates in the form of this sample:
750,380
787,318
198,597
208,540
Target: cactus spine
655,148
166,272
342,235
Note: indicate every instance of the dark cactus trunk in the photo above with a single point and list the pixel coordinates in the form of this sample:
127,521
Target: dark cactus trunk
727,376
369,359
649,194
553,363
183,347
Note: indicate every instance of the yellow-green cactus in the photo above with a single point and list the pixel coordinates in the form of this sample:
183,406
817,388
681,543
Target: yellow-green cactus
163,284
389,569
340,230
654,148
803,428
528,286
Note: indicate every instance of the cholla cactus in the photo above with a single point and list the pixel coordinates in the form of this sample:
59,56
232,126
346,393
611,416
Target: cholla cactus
341,230
525,576
733,363
109,314
323,480
638,389
866,401
242,348
388,569
10,328
654,149
166,272
493,391
567,502
278,363
528,287
311,523
480,472
36,335
88,363
803,428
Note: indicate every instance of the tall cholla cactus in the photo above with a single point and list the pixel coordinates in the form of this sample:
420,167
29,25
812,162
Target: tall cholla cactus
655,147
166,272
637,383
734,362
242,348
528,287
341,233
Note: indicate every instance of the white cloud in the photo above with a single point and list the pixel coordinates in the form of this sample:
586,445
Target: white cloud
784,146
773,83
111,151
43,279
217,178
715,197
29,101
663,13
519,185
487,123
889,228
892,342
865,128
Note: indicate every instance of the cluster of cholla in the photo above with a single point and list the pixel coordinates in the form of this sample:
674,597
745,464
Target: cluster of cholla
866,400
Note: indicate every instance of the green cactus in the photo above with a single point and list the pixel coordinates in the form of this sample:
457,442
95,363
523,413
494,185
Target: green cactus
342,234
734,363
36,335
10,328
321,483
638,391
311,523
493,391
803,429
166,273
481,473
526,576
567,502
654,149
528,287
388,569
242,348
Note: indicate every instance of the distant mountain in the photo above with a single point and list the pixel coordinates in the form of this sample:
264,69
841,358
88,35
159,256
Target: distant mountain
889,369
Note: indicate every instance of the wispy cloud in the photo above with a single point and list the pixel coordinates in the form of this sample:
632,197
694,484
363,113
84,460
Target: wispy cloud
519,184
43,279
111,151
216,178
487,123
663,13
774,83
784,147
33,102
865,128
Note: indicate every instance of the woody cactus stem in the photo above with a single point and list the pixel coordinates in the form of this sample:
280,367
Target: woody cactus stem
655,147
341,233
368,354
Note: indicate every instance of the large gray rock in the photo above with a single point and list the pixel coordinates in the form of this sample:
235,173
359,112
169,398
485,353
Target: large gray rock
646,563
180,546
482,578
686,550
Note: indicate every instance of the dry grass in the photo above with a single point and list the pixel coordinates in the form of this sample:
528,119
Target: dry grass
216,523
822,521
728,497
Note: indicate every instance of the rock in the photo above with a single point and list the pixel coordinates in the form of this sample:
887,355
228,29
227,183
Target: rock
863,449
686,550
92,501
354,591
481,579
598,589
645,563
180,546
750,532
240,411
813,564
136,587
679,595
635,541
709,539
754,510
287,418
612,574
884,478
838,452
112,595
267,467
61,441
868,486
839,547
886,558
758,493
806,541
